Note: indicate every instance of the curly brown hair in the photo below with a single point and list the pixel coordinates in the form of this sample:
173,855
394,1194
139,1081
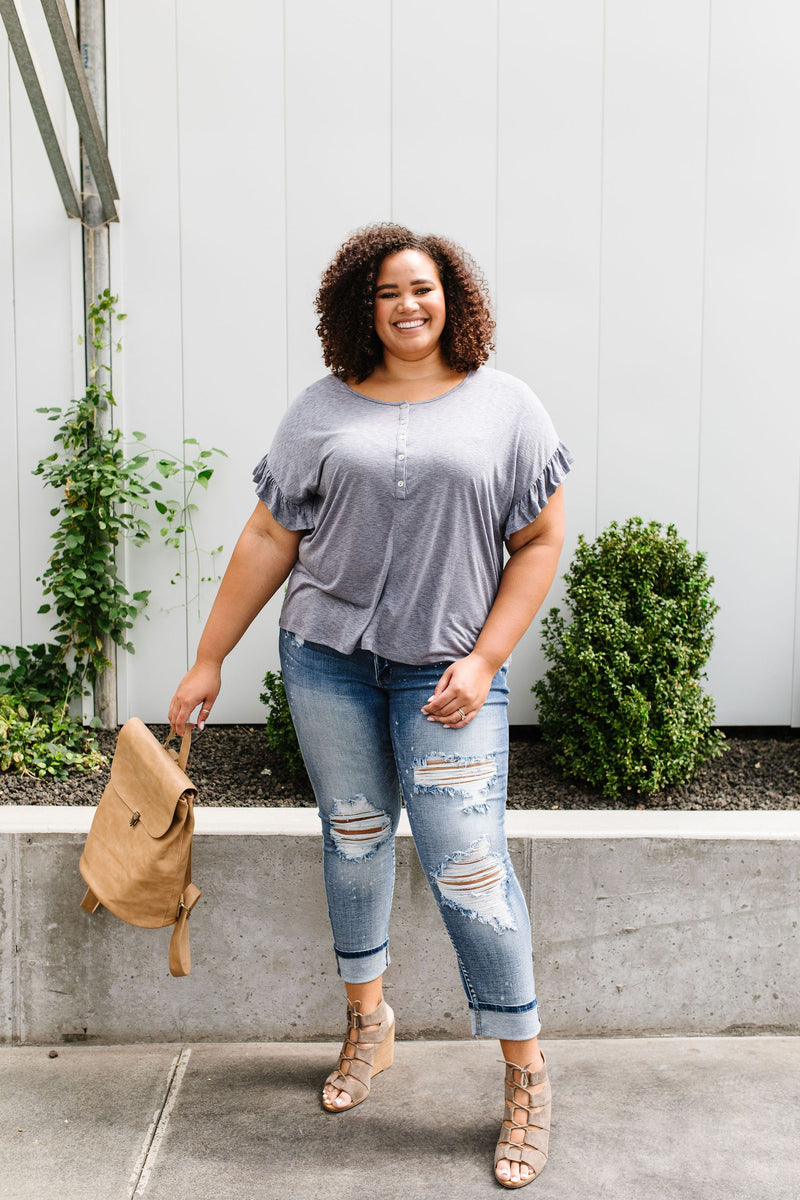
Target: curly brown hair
346,301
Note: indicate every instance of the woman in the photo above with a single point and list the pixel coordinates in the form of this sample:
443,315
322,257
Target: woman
389,490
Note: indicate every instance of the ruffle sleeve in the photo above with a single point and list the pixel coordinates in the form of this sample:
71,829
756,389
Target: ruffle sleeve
528,507
290,513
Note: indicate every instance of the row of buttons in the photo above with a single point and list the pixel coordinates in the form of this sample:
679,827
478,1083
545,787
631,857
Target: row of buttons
401,483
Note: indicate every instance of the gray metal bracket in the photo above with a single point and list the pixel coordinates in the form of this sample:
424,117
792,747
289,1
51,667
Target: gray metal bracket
69,59
30,78
94,143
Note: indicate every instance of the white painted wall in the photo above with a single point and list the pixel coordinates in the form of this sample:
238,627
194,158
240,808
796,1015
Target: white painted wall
624,171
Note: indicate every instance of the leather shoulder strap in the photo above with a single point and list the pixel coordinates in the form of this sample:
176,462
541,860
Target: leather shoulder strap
180,957
186,742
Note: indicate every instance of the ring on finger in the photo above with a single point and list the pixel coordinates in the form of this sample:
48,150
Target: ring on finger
461,714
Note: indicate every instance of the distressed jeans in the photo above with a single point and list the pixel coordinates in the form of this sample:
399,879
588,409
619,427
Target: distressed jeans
368,747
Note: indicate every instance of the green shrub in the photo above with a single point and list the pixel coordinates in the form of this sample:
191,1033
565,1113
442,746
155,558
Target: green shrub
621,703
37,734
281,737
37,674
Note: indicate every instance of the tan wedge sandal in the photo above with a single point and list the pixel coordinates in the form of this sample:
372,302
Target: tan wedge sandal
532,1150
354,1074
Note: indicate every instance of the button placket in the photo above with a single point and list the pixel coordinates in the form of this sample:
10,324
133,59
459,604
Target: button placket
400,481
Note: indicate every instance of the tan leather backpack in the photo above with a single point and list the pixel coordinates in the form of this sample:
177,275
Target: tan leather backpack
137,860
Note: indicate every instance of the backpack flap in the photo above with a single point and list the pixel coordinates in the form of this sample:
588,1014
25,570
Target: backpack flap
147,778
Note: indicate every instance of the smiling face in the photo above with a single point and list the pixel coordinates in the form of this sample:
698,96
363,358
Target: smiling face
409,305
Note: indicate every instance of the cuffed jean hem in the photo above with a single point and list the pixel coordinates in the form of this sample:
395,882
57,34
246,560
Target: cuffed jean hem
363,966
511,1026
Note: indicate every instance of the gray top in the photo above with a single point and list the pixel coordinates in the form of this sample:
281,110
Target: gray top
407,506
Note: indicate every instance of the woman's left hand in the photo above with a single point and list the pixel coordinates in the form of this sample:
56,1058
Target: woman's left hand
460,693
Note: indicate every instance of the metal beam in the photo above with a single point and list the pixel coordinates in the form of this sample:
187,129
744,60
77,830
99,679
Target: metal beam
30,78
91,30
94,143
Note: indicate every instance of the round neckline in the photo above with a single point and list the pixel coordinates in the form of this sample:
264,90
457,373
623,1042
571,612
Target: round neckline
405,403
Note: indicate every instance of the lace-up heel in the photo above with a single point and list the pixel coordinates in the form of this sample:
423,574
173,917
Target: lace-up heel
354,1072
532,1150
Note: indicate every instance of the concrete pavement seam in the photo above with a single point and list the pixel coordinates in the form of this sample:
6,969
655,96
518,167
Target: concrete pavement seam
158,1126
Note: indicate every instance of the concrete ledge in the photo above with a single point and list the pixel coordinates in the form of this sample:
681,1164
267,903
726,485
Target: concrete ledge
645,923
530,823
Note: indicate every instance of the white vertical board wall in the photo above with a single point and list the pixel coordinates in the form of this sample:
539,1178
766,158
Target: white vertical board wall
444,122
621,171
41,289
338,148
654,135
146,274
233,271
47,276
550,81
750,430
200,266
9,527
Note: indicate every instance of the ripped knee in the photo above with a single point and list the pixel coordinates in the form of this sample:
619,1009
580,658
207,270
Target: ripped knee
358,828
452,775
475,883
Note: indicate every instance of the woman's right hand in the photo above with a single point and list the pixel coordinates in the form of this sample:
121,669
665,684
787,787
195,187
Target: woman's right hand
200,686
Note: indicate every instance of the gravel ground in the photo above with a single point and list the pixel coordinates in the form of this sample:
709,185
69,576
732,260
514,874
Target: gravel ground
230,765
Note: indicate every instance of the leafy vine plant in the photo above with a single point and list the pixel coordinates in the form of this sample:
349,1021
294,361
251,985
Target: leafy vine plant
103,487
178,513
102,493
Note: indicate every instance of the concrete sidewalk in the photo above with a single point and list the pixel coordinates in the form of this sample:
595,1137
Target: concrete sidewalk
634,1119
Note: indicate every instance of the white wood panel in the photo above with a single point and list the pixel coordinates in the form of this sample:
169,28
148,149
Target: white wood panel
10,624
146,273
234,289
444,122
548,233
652,240
750,433
490,122
796,644
44,295
338,82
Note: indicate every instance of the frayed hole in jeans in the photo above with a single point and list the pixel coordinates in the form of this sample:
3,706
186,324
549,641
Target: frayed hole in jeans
358,828
451,775
475,882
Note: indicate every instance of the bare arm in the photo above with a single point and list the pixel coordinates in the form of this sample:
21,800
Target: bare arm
526,581
262,559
